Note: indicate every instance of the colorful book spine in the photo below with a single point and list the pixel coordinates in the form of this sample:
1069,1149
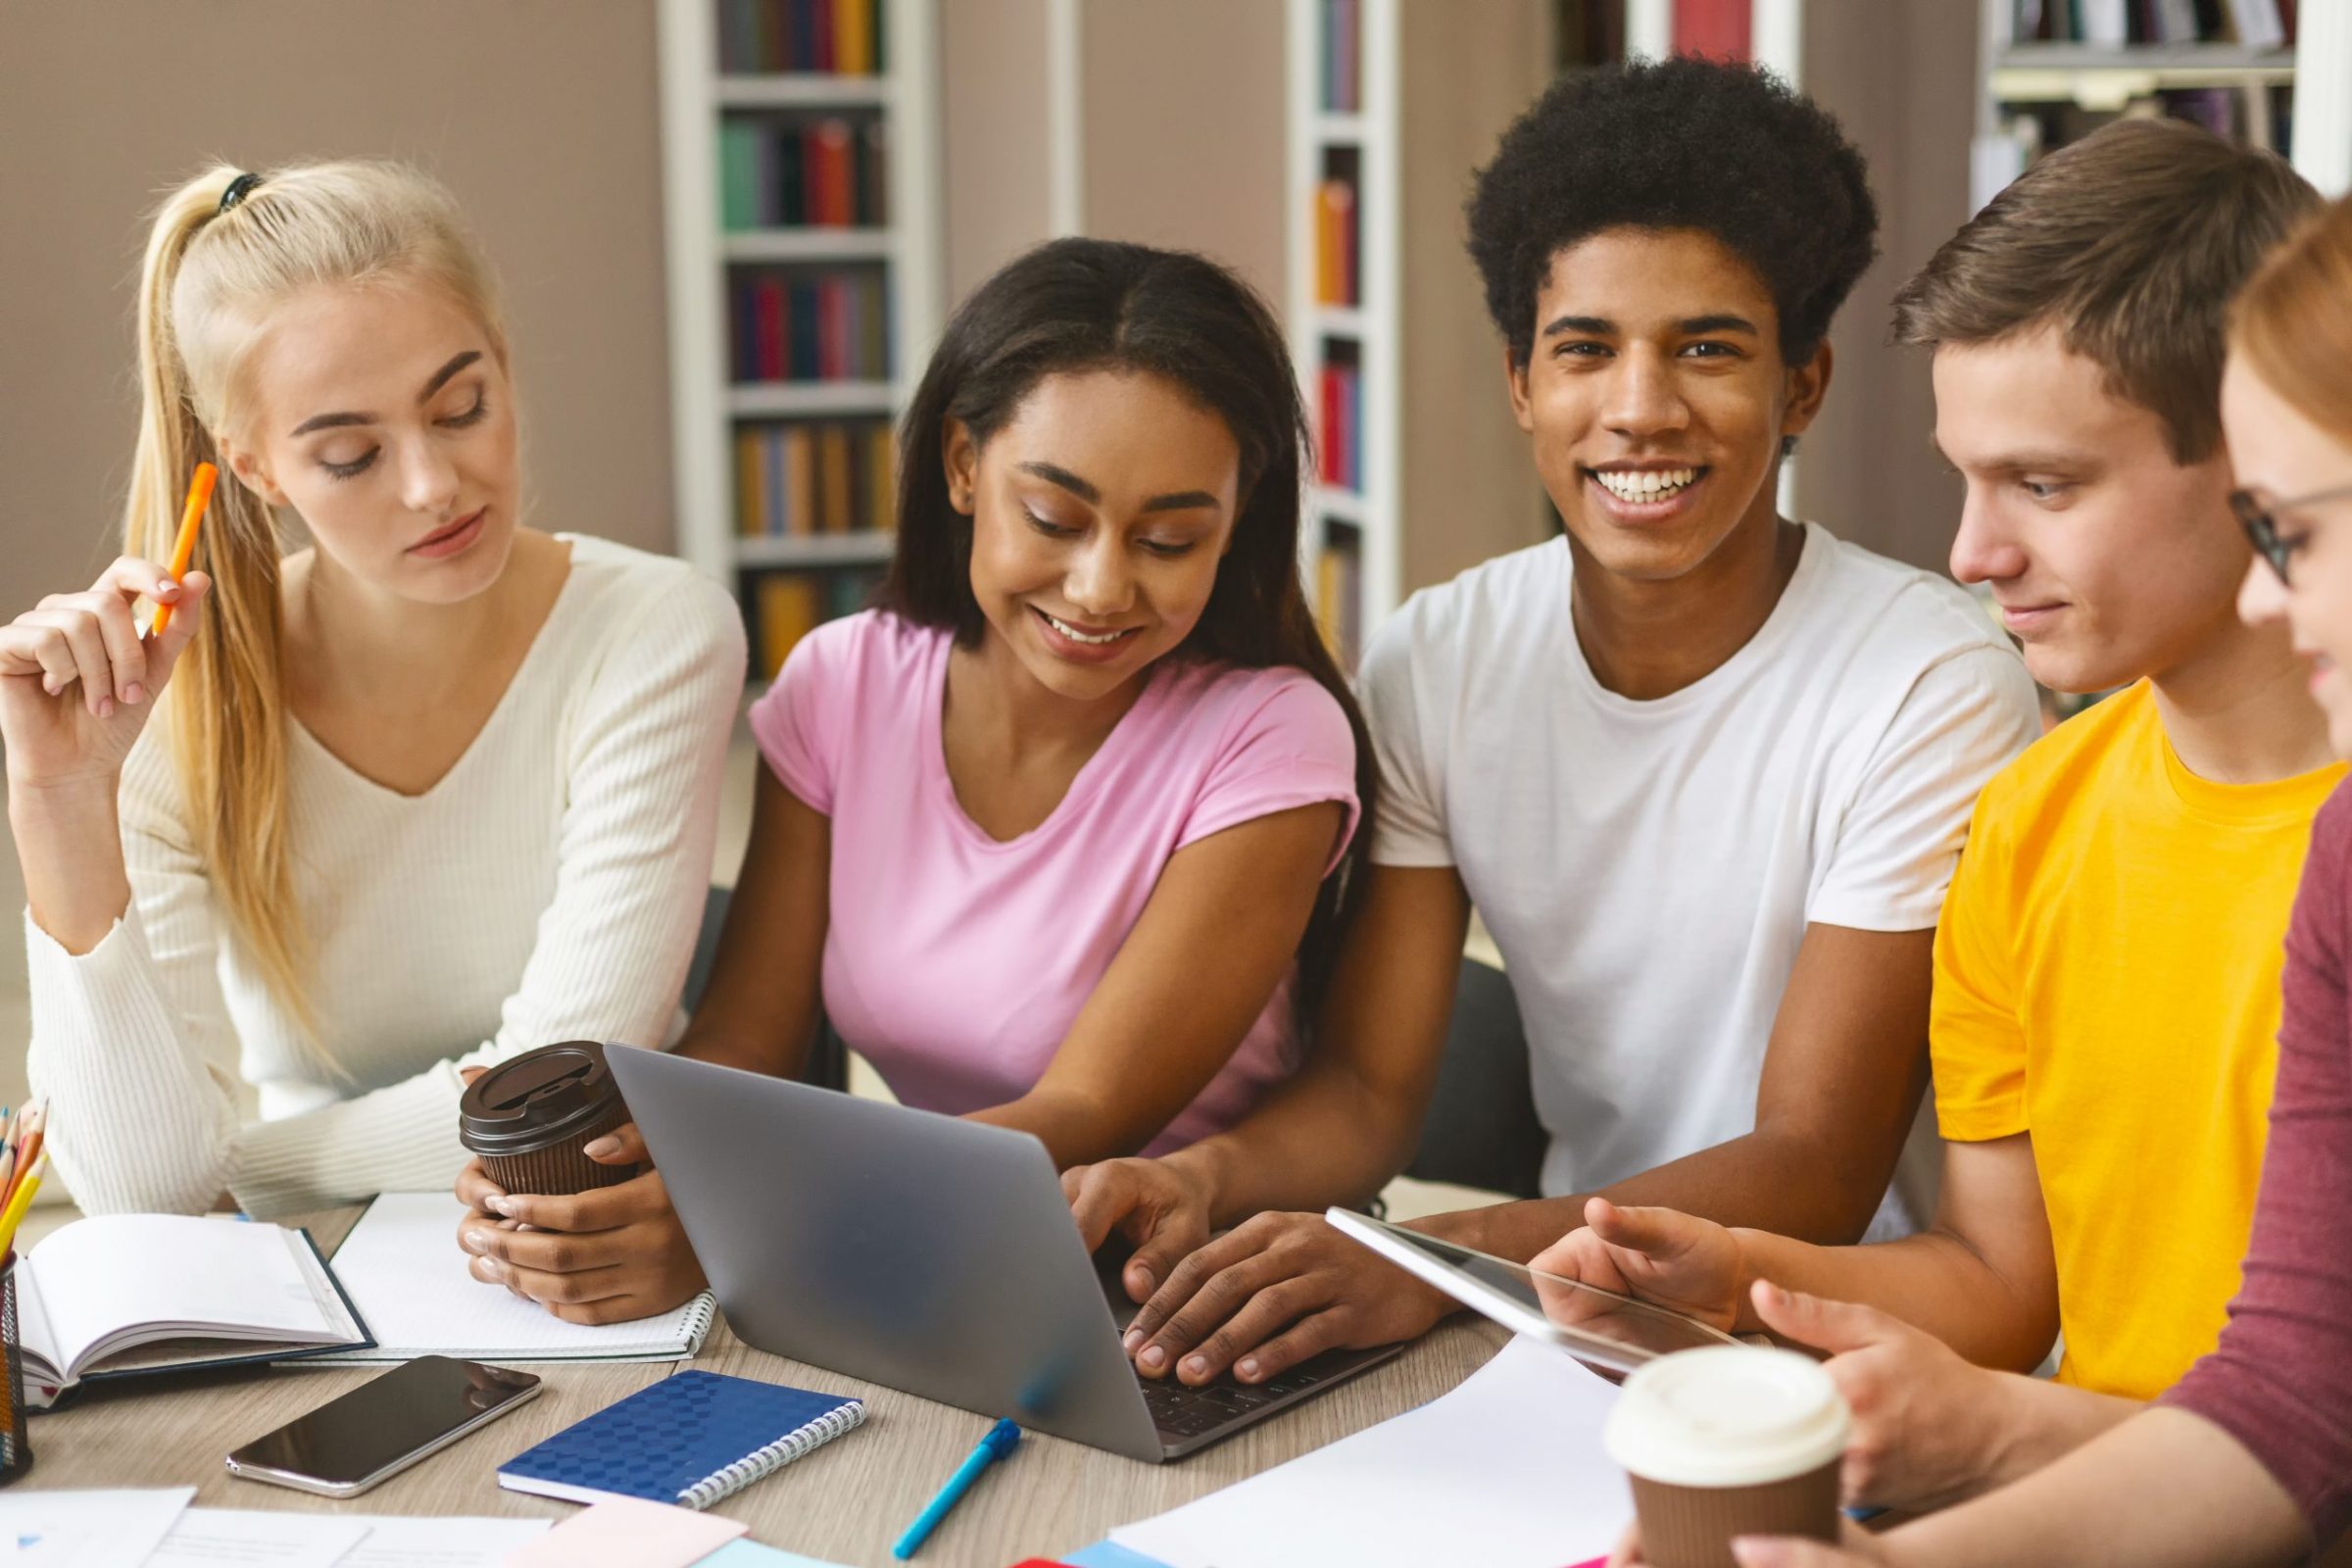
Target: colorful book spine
1342,56
882,469
789,608
1719,30
1337,280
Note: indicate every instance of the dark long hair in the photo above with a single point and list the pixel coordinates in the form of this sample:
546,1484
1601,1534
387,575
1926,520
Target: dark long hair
1072,305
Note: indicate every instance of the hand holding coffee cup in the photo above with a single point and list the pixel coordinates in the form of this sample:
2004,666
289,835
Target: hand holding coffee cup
531,1118
1727,1442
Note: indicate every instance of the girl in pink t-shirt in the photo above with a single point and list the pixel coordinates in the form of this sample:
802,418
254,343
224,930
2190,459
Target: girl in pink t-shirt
1059,836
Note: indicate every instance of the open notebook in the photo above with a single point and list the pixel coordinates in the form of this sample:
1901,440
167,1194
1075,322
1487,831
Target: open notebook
120,1294
402,1266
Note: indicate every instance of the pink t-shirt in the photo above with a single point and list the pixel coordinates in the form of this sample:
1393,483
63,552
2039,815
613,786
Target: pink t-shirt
956,963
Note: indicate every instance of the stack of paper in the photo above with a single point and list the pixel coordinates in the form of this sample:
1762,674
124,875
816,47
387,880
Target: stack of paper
1508,1471
402,1268
159,1530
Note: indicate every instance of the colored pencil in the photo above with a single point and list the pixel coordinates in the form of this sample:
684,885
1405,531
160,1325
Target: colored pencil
183,548
13,1215
32,1128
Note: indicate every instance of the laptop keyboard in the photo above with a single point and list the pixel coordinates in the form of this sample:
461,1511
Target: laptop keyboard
1179,1410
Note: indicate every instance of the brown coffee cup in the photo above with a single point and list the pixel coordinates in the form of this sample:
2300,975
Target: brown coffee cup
529,1117
1725,1441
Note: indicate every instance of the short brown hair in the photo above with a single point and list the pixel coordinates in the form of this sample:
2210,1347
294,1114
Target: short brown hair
2130,242
2293,324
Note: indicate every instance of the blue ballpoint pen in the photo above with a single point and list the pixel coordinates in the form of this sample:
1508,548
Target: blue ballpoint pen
1001,1440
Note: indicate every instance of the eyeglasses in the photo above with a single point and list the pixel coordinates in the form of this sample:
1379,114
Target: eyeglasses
2260,523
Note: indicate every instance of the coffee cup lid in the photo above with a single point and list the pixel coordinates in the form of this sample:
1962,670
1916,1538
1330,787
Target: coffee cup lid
537,1099
1728,1416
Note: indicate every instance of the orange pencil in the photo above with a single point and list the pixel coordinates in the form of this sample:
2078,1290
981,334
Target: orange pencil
30,1136
183,548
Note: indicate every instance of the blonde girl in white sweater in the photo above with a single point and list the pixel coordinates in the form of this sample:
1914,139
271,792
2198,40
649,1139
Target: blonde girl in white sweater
432,790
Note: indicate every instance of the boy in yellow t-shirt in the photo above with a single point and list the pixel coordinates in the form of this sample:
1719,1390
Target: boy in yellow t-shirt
2107,963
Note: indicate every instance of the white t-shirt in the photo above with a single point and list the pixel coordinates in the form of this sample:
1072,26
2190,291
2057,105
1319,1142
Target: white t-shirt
1649,868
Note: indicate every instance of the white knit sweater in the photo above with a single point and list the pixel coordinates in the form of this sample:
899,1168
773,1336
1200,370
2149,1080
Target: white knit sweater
548,888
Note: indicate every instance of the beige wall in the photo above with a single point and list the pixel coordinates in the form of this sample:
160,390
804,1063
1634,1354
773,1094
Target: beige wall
1182,130
1470,490
1185,128
1901,80
539,114
993,108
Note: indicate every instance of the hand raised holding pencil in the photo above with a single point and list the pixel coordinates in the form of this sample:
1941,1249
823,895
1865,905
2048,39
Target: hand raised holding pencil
77,676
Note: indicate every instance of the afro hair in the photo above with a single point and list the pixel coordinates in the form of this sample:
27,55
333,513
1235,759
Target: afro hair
1683,143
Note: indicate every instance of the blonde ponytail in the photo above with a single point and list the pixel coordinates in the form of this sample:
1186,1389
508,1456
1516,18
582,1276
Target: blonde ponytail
210,280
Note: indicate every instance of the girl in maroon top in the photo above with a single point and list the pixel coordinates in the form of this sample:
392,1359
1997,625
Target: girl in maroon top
2250,1458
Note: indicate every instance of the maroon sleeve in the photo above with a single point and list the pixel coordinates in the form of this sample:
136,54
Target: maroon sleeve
2280,1380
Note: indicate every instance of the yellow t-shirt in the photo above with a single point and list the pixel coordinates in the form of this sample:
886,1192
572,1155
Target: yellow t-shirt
2107,980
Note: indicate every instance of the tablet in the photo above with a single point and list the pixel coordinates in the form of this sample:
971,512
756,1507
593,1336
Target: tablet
1589,1323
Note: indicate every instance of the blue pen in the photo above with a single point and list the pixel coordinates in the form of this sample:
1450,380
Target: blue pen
1002,1439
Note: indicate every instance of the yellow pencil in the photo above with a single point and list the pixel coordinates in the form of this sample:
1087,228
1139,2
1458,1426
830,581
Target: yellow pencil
13,1214
183,548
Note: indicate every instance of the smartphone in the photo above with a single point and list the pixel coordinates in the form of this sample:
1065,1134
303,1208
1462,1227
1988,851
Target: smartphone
1594,1325
383,1426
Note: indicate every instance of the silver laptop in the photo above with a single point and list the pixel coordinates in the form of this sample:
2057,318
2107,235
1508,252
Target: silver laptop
920,1252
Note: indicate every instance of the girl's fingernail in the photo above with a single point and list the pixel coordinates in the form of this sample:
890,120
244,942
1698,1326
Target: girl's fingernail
106,708
476,1241
166,589
501,1205
601,1146
135,693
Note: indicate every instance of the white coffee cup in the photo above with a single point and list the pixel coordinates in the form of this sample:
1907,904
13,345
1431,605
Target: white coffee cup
1729,1440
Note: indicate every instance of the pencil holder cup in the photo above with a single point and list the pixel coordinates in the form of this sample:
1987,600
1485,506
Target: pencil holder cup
16,1449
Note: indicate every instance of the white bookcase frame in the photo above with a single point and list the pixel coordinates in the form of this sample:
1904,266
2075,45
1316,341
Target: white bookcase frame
705,404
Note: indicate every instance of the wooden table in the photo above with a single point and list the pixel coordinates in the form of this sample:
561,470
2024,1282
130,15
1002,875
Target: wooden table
845,1503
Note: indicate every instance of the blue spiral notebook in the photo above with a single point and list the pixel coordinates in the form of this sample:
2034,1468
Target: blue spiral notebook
688,1439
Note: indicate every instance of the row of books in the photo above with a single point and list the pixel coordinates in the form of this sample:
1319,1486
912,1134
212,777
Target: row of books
2256,114
2119,23
832,37
786,606
1339,274
1340,426
1339,596
798,479
802,173
809,326
1343,64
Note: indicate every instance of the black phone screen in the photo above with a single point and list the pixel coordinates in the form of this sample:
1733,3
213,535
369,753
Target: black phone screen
353,1437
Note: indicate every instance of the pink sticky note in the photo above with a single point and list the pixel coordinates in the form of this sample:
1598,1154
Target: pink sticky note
626,1533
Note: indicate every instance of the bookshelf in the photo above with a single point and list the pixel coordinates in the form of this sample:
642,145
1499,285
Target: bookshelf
799,164
2269,73
1391,105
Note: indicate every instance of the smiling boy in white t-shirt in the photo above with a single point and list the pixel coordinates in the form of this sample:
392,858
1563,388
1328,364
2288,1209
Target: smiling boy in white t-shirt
1703,770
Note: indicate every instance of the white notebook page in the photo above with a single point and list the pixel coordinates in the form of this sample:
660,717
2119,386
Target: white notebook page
408,1277
1508,1471
110,1272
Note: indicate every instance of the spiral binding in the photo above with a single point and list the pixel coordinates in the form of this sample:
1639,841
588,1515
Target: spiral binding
777,1454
